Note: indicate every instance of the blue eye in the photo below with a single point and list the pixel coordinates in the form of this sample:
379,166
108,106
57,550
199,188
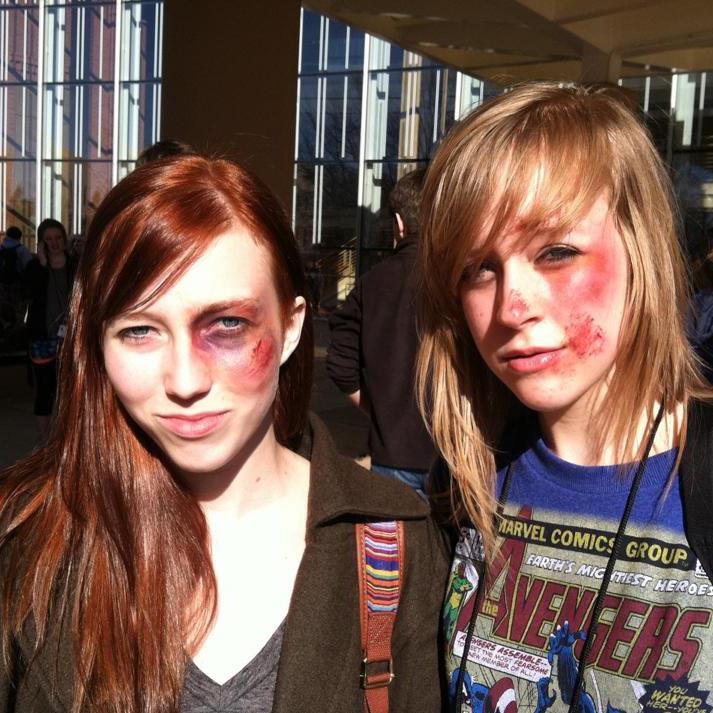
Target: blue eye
231,323
136,333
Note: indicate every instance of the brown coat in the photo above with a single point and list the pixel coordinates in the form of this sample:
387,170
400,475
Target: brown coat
320,660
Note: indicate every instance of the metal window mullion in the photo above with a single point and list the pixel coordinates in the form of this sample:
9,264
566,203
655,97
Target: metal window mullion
4,49
5,39
57,112
343,152
100,96
159,72
437,107
134,12
5,30
115,117
77,89
299,53
40,109
671,121
701,107
320,199
458,105
23,150
297,148
155,128
361,172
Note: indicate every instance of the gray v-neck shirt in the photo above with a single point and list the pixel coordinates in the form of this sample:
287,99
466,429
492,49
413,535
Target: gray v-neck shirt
251,690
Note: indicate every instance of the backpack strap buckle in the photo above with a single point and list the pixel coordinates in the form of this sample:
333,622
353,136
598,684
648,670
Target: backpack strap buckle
379,678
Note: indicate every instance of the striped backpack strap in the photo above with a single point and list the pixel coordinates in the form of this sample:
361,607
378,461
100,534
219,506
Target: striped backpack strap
380,560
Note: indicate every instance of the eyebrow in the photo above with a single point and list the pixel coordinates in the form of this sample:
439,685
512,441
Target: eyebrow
251,306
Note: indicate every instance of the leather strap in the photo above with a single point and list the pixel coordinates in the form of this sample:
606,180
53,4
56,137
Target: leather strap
380,561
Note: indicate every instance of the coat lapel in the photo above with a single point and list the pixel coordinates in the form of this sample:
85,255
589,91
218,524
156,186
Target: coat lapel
321,658
320,652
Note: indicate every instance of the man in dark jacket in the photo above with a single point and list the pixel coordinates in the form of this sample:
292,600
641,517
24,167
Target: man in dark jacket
373,348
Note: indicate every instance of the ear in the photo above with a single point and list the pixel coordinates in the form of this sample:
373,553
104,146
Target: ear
293,328
400,224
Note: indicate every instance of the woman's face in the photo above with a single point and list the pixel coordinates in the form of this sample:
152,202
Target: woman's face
197,368
545,314
54,240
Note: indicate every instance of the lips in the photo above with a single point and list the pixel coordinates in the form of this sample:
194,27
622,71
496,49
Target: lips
194,425
530,361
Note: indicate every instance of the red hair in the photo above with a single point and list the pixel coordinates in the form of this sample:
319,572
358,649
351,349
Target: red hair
94,526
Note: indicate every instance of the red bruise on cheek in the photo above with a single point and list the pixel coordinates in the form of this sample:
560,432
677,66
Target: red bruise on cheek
262,356
246,362
585,337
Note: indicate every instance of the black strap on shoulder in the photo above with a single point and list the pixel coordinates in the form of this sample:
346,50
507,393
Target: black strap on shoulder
696,474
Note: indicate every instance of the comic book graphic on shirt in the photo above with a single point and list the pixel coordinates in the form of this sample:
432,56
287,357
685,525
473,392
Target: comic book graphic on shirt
654,649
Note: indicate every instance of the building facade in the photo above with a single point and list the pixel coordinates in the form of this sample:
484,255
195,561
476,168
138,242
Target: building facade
79,98
369,111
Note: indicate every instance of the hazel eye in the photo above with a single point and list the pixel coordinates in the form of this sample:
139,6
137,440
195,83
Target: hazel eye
477,272
559,253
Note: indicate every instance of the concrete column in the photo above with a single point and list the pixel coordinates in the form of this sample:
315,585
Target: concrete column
230,82
600,66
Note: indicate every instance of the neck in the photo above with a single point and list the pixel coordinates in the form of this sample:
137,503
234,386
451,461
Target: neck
266,475
57,260
569,435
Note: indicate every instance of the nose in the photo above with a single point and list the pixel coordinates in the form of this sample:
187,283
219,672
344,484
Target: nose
519,298
187,376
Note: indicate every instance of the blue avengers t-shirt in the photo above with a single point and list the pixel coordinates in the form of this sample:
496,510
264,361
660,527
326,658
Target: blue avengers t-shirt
654,649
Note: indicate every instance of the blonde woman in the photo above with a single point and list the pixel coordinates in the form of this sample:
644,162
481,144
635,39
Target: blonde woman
567,406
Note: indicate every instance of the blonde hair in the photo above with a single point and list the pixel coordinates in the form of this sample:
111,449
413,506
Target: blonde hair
573,144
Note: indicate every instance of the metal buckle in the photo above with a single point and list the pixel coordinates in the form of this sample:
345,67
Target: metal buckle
376,680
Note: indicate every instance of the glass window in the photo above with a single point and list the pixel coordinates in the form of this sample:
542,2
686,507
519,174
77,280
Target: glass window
75,107
342,117
409,102
20,61
18,196
307,118
304,204
356,49
337,59
310,50
339,183
19,106
402,108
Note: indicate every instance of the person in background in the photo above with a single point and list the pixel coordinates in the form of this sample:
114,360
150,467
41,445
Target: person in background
164,149
48,280
373,347
14,257
569,410
13,242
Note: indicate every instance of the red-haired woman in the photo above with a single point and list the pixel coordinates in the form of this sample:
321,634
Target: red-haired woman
186,539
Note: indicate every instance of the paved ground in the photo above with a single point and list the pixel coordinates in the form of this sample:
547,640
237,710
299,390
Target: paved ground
348,425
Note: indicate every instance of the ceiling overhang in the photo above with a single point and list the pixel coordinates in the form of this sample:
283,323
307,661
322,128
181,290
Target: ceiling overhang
508,41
